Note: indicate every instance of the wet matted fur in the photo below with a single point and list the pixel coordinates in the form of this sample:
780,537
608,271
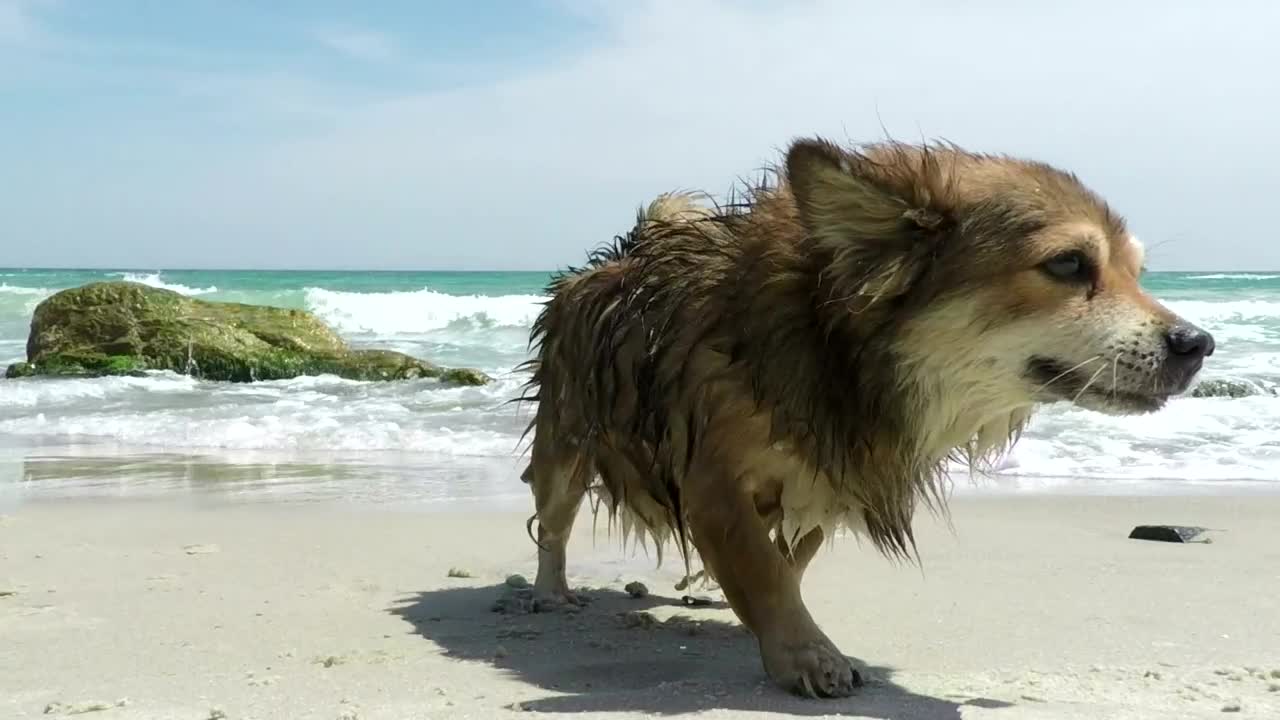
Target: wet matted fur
743,379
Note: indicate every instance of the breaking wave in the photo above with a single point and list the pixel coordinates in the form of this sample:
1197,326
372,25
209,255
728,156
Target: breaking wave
155,281
1233,276
419,311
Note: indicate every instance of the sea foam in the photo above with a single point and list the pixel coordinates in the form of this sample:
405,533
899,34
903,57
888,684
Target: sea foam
419,310
1194,442
1233,276
318,413
156,281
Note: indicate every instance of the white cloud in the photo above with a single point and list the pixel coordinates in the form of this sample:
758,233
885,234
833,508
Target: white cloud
356,43
1158,109
18,23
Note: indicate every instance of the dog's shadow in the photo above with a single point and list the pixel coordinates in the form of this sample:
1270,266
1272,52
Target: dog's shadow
649,655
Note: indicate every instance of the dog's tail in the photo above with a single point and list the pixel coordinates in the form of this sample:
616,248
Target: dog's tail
674,207
666,210
671,210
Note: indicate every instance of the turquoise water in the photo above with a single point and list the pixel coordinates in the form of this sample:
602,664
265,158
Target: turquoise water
462,318
275,281
418,440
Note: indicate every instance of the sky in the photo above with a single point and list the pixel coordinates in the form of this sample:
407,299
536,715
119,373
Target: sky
491,134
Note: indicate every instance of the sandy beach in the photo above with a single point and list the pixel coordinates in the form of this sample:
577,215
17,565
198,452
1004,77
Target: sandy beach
290,290
1034,607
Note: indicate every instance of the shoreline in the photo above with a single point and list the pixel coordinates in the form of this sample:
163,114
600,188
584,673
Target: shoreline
1026,607
418,481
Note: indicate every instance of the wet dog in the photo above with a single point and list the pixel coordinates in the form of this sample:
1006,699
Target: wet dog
743,379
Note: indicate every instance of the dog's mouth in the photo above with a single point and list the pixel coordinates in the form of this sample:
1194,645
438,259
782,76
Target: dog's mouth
1056,380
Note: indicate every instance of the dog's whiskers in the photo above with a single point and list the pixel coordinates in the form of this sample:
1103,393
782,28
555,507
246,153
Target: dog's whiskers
1066,372
1086,385
1115,364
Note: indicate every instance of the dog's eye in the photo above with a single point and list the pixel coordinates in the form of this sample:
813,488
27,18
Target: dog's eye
1067,266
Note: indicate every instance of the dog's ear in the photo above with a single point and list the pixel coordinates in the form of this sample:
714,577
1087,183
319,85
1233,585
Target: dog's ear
873,218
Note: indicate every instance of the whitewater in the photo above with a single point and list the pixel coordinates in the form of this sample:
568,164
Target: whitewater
419,441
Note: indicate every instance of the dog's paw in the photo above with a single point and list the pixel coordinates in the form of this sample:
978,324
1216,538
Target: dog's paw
814,669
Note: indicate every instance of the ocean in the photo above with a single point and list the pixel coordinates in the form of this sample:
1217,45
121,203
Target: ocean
413,443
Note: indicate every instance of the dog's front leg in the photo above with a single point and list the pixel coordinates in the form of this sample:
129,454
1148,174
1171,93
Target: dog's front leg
800,553
764,589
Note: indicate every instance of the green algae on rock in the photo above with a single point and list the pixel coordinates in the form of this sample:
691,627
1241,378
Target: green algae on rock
124,328
1228,388
19,370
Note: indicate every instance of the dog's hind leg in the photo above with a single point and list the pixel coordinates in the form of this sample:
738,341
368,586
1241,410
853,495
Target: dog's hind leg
558,477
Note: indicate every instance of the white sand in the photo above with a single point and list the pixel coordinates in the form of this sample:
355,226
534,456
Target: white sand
1034,608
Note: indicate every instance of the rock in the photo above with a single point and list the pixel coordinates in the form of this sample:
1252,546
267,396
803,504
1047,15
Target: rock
19,370
264,681
515,602
464,376
1228,388
637,589
517,581
329,661
696,600
1231,707
456,572
349,710
124,328
1166,533
638,619
81,708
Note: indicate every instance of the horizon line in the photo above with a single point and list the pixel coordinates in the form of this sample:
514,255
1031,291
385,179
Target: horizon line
54,268
420,270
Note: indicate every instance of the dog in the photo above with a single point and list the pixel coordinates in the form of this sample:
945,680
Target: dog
743,379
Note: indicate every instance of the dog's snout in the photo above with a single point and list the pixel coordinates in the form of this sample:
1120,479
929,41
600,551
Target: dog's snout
1188,342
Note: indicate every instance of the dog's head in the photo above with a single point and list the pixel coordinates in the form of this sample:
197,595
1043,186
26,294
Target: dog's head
1003,281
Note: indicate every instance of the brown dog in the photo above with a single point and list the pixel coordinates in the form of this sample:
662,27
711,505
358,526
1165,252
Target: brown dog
745,379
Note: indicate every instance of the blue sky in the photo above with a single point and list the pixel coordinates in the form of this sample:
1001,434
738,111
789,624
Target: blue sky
507,135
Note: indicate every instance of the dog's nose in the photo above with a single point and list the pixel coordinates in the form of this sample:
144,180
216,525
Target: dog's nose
1188,343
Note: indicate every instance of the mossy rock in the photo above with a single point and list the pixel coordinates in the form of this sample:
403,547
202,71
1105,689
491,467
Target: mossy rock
464,376
1228,388
19,370
123,328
